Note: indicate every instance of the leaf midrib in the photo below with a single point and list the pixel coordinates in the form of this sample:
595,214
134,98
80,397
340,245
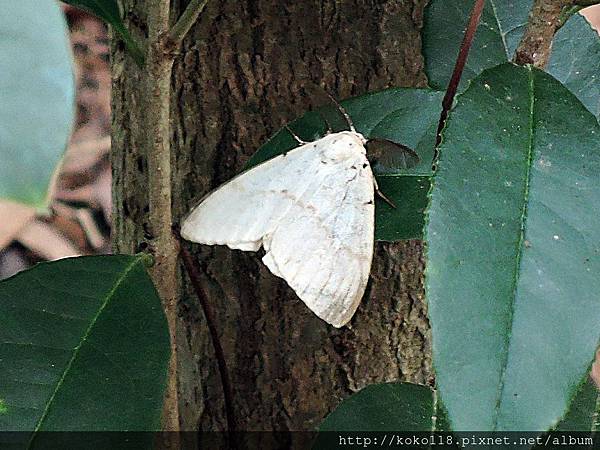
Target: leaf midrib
76,350
502,35
520,246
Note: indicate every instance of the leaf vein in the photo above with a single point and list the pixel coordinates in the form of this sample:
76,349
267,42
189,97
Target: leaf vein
107,299
520,246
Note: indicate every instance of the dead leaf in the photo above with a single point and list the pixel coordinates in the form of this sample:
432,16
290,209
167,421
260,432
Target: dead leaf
45,241
14,217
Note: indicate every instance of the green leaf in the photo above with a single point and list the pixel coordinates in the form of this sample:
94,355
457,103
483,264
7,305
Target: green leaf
384,407
575,58
405,116
108,10
37,97
379,407
580,417
84,346
580,71
497,37
582,411
513,252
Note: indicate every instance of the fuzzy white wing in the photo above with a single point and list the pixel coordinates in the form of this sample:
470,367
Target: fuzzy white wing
313,210
324,246
242,211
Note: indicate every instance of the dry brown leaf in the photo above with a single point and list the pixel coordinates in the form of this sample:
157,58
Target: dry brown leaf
43,240
96,194
592,14
85,175
69,227
12,261
83,156
104,192
88,224
14,216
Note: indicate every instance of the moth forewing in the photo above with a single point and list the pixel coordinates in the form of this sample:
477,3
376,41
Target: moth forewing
312,210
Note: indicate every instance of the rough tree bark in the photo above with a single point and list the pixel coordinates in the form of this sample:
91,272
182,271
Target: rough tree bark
240,76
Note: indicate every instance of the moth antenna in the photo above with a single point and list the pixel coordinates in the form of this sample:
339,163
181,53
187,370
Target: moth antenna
385,199
382,195
343,111
295,136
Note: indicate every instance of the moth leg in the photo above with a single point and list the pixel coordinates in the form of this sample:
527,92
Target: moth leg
295,136
382,195
329,128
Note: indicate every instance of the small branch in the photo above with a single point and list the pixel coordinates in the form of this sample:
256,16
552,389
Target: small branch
545,19
186,21
156,78
194,275
567,13
461,60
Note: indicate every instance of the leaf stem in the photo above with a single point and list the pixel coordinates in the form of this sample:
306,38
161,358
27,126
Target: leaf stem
567,13
194,275
459,66
156,77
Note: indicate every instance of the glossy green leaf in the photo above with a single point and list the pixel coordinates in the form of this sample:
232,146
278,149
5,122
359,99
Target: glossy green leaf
513,252
405,408
581,416
384,407
583,410
580,71
36,98
84,345
502,23
108,10
405,116
379,407
575,58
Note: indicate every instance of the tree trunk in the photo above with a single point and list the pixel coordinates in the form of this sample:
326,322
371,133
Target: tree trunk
240,76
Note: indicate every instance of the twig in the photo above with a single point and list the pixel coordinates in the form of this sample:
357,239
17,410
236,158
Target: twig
186,21
156,78
461,60
194,275
545,19
567,13
570,11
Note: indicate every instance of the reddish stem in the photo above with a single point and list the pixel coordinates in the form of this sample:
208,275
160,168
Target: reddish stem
461,60
194,275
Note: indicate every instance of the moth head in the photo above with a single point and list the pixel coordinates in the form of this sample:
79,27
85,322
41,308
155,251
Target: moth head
386,156
344,145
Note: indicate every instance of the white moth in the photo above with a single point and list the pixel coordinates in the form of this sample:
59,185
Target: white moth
312,209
